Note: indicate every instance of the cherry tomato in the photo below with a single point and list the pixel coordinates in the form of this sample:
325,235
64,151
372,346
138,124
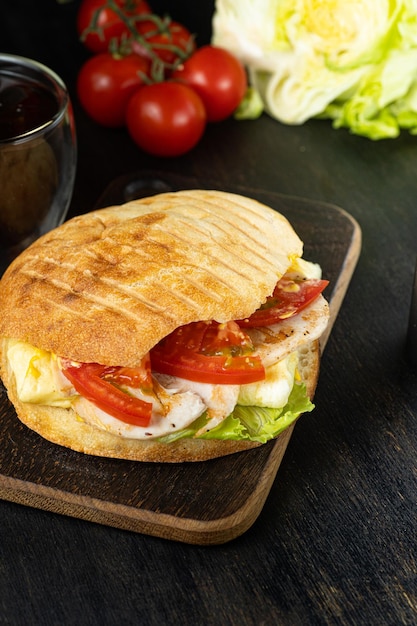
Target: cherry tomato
95,13
218,77
88,380
289,298
105,83
170,41
192,352
166,119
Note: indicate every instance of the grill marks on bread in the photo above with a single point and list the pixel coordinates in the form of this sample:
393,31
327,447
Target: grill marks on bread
108,285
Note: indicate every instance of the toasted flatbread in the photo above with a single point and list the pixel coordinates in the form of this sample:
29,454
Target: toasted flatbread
64,427
108,285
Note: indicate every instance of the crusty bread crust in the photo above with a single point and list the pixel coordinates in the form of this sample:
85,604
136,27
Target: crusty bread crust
64,427
107,286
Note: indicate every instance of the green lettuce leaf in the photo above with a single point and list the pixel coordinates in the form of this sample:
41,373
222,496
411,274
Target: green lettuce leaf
252,423
384,102
353,63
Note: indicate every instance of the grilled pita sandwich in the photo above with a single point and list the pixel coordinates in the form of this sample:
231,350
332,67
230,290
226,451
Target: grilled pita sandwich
179,327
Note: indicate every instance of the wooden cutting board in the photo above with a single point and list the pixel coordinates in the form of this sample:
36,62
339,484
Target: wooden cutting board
202,503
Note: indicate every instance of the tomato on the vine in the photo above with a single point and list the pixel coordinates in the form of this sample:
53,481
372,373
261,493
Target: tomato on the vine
218,77
107,25
168,40
147,74
106,82
166,119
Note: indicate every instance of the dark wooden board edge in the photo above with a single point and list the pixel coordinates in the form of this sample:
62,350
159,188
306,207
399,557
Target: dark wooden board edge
158,523
216,531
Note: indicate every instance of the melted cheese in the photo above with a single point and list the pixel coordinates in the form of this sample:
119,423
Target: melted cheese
38,377
301,267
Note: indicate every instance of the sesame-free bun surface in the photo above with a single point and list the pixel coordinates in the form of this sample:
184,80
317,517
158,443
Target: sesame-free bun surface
107,286
64,427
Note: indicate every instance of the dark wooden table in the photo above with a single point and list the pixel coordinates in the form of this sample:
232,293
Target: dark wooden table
336,540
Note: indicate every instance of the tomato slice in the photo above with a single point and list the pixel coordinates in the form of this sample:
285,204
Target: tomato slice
92,381
208,352
289,297
136,377
225,340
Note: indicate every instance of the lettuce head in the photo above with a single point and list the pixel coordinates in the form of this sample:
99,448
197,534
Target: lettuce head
353,62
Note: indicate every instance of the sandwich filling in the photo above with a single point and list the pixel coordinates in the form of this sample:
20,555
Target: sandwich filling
235,380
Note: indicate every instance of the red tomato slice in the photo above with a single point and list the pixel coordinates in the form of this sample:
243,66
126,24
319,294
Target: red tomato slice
136,377
208,352
289,298
225,340
88,381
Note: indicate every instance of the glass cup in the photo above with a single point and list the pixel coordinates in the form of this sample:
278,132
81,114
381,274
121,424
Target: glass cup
38,153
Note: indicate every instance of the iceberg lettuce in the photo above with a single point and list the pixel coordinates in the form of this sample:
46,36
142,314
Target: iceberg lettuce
252,423
352,62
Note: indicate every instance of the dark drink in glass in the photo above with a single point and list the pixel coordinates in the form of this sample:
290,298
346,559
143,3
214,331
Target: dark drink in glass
37,153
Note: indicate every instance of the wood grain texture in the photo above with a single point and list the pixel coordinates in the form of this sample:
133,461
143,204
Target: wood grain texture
202,503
